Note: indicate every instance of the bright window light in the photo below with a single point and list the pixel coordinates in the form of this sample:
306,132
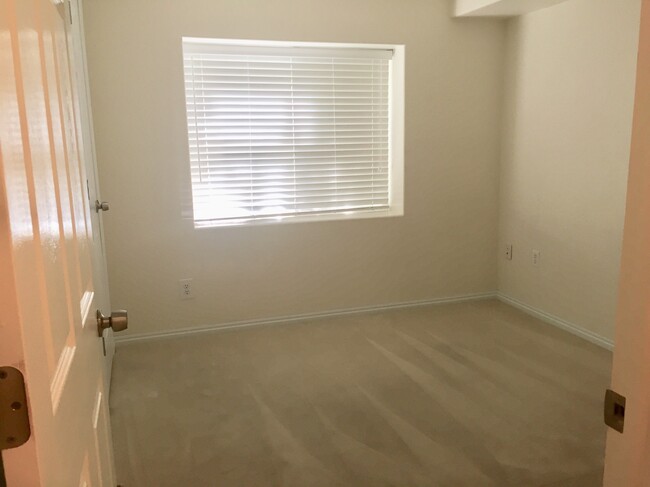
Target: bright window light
282,132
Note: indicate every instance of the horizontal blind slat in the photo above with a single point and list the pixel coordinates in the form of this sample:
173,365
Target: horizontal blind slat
259,206
208,162
208,218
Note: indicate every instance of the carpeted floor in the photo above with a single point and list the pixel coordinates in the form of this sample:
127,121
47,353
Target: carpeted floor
475,394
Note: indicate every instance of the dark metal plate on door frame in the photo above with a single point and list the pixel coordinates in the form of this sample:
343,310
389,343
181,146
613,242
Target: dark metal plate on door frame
14,418
614,410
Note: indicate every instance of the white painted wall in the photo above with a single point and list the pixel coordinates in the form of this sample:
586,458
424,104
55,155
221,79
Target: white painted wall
499,8
465,7
566,146
443,246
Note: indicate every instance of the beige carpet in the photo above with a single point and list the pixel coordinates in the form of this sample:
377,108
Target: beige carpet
475,394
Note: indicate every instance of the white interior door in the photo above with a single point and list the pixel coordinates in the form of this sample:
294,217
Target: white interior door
627,460
48,295
100,274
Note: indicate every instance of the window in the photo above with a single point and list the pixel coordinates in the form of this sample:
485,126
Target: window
293,131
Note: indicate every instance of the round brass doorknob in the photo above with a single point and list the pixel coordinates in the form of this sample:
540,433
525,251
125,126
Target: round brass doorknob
118,321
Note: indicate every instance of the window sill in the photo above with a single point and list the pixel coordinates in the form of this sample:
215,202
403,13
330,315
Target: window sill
320,217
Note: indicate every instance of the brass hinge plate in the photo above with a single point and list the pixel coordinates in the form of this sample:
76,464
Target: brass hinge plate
614,410
14,418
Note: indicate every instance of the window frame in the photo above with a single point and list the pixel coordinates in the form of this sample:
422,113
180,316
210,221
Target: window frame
396,136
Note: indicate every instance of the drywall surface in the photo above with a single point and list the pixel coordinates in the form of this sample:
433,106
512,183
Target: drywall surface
570,81
500,8
466,7
445,243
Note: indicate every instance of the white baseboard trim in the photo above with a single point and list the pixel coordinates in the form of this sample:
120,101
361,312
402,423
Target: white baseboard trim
559,322
120,340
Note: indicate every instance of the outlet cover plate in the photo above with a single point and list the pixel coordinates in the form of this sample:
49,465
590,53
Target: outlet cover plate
185,289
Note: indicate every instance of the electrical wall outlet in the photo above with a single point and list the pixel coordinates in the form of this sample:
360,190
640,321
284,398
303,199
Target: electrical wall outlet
509,252
536,257
185,289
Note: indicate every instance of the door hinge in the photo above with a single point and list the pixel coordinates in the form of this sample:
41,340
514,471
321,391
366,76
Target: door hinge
14,417
614,410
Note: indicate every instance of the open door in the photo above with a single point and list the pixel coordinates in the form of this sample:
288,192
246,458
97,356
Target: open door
627,459
48,293
89,156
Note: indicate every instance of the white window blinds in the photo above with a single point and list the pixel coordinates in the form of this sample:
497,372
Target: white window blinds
287,131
